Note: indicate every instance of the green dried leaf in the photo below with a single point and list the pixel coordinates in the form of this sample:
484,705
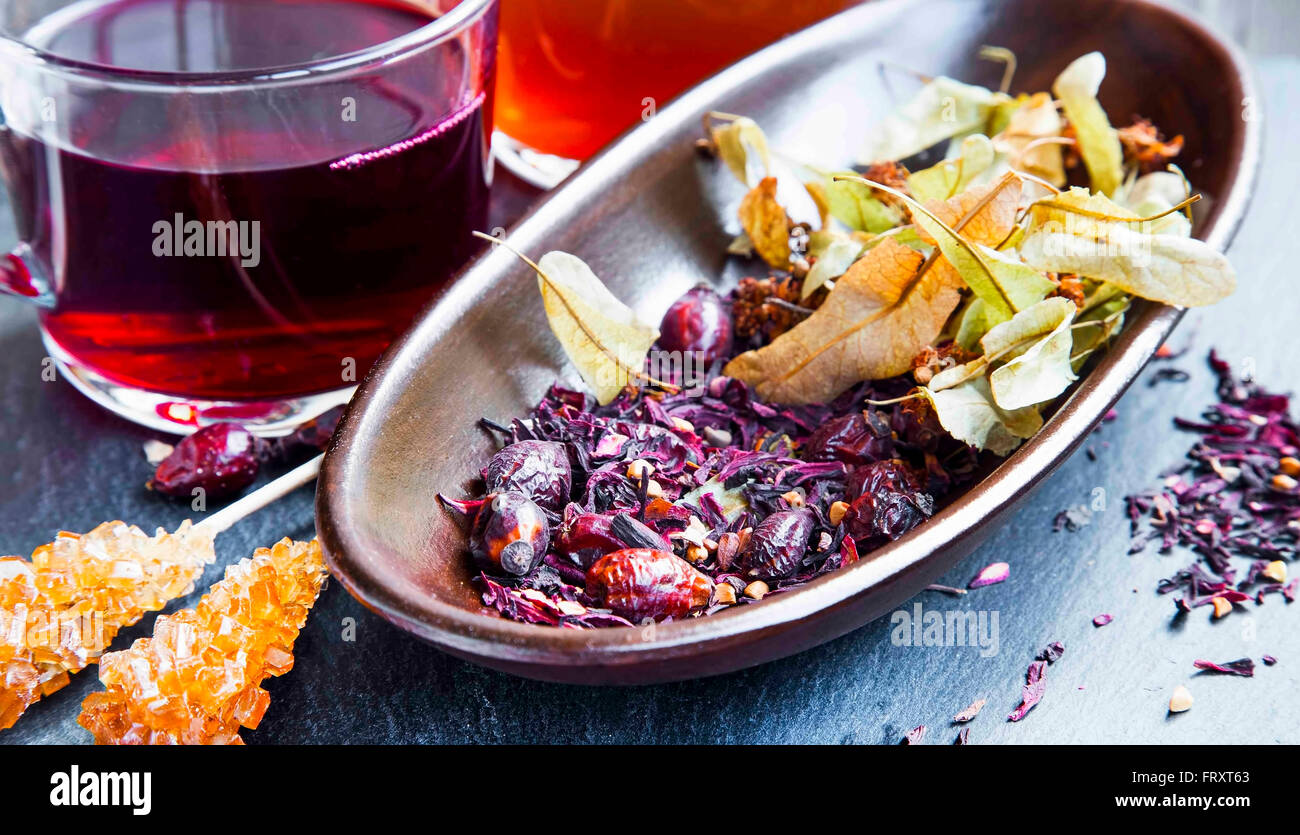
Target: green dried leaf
947,178
1098,143
1092,236
854,205
940,110
833,261
968,413
1040,372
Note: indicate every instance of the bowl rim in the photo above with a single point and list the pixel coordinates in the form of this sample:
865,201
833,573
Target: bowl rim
488,636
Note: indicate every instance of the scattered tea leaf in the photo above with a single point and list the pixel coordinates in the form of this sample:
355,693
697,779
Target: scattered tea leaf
832,262
1042,371
951,176
1026,139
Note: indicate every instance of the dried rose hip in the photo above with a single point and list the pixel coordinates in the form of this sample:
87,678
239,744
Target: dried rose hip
538,469
849,438
638,583
510,534
221,458
778,544
891,475
697,322
887,514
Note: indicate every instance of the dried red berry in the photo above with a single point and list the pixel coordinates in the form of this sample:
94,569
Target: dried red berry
588,536
220,459
639,583
538,469
778,544
697,322
510,534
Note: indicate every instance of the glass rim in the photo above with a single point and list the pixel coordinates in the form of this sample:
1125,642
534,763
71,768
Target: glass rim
464,14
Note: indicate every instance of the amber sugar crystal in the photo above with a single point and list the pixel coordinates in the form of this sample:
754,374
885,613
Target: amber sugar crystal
60,610
198,679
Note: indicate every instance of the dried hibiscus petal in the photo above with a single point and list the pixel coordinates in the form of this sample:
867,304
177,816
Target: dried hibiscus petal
1241,667
1032,693
990,575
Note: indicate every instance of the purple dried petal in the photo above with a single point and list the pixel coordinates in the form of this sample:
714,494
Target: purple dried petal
1241,667
1032,692
990,575
1052,652
914,736
963,737
1269,660
1102,620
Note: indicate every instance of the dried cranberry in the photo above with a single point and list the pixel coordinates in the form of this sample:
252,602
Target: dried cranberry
538,469
510,534
639,583
697,322
849,438
892,474
221,458
778,544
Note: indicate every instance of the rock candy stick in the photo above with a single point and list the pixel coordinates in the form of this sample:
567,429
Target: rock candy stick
197,680
60,610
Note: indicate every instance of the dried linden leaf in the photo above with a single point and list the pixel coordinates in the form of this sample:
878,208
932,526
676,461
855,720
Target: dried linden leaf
766,223
1042,371
854,205
1098,143
952,176
1075,232
1005,284
832,262
940,110
969,414
1033,121
604,339
743,146
879,316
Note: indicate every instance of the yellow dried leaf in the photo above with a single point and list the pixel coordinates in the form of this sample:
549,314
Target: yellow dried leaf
766,223
880,315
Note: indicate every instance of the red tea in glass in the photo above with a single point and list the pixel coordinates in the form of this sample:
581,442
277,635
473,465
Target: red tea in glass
575,73
252,219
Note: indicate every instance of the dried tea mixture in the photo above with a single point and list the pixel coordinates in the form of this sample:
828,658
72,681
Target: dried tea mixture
905,321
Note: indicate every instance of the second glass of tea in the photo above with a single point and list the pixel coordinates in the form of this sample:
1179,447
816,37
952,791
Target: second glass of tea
229,208
574,74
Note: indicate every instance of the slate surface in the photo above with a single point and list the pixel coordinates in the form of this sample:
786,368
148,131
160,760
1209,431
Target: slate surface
64,463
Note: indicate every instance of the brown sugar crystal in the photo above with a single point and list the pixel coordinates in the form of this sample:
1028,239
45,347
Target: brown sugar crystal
198,679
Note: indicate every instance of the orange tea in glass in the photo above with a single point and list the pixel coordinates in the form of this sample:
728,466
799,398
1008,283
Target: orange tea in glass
574,74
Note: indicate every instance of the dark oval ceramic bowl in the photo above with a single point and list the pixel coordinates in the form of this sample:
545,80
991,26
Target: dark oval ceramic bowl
649,215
